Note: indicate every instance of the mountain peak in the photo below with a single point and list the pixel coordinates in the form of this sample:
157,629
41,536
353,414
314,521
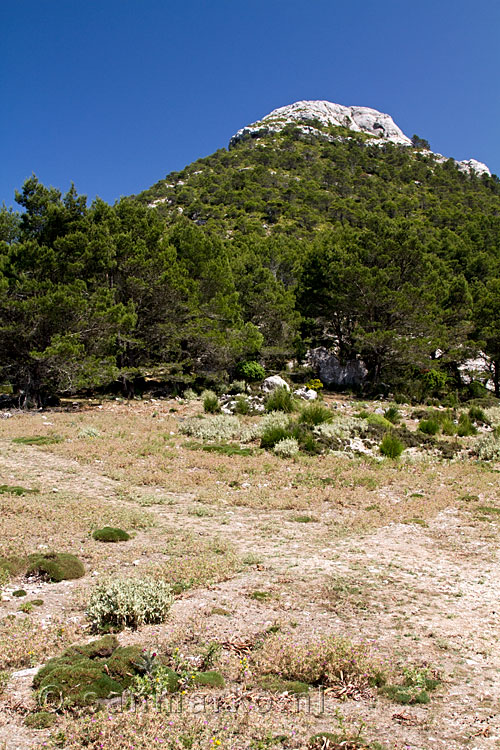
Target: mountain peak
379,126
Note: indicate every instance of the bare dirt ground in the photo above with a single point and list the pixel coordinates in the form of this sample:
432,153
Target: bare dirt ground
399,556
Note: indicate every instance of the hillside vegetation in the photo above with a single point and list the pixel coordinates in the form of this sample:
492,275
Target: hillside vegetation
285,242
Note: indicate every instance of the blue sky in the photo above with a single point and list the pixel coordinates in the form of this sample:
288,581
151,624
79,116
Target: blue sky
114,94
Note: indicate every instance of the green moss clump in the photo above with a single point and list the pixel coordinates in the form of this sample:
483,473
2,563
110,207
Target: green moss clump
40,720
110,534
20,592
87,672
124,662
37,602
377,420
6,489
209,679
56,566
13,566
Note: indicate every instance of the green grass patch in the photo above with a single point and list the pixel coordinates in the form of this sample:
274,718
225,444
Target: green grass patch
7,489
303,519
38,440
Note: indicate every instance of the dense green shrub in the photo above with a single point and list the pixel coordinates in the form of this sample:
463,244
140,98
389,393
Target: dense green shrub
391,446
314,414
128,602
280,400
242,405
251,371
477,414
393,414
110,534
448,427
465,426
273,435
211,403
429,426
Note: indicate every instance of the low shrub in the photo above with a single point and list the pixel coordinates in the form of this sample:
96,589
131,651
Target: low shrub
314,414
217,428
315,385
477,414
465,426
273,435
448,427
209,679
55,566
242,405
280,400
189,395
211,403
237,386
488,448
286,448
393,414
391,446
128,602
377,420
225,449
40,720
110,534
324,661
340,429
417,683
429,426
303,434
89,432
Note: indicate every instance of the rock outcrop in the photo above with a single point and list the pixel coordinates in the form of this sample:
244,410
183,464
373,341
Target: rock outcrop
333,372
307,114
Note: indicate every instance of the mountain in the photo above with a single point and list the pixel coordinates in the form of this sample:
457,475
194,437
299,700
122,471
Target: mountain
371,122
381,248
320,227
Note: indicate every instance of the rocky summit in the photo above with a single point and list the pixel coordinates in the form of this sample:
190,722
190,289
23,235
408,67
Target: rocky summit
307,115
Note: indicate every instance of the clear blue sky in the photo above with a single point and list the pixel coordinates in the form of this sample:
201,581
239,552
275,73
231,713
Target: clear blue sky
114,94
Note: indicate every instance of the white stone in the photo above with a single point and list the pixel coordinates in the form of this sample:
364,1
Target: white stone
273,382
308,394
25,672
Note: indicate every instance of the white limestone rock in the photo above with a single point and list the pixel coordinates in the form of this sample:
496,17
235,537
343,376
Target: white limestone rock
308,394
381,127
273,382
357,119
472,165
